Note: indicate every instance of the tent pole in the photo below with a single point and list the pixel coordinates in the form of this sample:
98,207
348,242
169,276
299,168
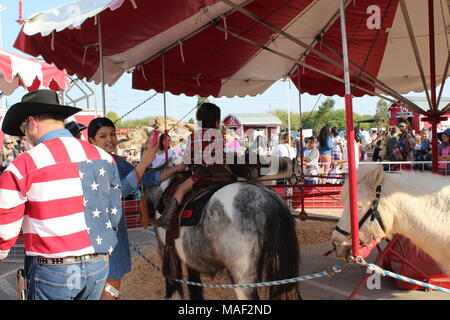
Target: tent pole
166,132
302,175
300,145
350,132
433,106
102,69
289,110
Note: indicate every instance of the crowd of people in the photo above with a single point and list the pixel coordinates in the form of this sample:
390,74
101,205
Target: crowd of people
66,193
325,153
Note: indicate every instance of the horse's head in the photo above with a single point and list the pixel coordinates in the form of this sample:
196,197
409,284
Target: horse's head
369,180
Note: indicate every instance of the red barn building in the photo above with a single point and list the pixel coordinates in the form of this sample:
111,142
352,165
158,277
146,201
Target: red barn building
398,112
264,123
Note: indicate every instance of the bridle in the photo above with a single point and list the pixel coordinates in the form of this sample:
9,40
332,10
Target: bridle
373,213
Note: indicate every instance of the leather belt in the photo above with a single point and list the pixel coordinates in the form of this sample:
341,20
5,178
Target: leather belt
69,260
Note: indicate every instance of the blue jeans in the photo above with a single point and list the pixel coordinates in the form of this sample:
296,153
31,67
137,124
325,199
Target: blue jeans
77,281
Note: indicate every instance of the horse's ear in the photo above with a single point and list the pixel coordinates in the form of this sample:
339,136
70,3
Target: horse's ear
374,177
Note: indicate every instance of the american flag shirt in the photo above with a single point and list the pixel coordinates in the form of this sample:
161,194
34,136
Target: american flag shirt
65,195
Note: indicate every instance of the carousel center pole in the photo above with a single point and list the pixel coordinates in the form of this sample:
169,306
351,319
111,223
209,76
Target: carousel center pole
350,132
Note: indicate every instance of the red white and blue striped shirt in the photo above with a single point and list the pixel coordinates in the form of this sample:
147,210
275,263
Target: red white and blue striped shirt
65,195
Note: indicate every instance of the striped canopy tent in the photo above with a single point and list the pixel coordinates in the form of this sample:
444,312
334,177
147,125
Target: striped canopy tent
16,70
241,47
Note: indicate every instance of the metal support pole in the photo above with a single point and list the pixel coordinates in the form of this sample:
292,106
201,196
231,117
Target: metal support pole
102,69
350,131
302,174
166,132
300,145
433,106
289,111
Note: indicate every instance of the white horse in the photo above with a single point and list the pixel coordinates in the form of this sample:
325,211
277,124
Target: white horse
413,204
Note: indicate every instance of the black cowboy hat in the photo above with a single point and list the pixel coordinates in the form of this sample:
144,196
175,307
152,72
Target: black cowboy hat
74,127
34,103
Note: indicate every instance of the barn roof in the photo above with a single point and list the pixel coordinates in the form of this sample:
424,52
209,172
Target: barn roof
422,102
256,118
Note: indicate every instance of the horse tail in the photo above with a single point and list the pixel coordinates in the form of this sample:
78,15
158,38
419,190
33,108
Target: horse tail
280,251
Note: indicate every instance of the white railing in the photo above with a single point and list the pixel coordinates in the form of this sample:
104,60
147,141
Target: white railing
425,166
389,166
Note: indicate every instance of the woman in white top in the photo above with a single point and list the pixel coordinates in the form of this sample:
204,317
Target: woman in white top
283,149
311,161
344,161
160,158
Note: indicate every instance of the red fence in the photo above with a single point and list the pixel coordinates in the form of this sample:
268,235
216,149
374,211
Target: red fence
298,197
319,196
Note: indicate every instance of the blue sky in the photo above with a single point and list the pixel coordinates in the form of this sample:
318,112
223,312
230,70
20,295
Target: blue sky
121,98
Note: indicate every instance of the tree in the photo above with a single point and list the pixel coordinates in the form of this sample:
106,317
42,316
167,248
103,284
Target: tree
324,114
382,114
191,121
114,118
283,116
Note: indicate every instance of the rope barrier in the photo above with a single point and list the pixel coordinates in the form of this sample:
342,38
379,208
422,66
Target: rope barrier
327,273
140,254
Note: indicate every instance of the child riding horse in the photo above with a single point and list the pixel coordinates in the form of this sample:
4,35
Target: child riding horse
208,117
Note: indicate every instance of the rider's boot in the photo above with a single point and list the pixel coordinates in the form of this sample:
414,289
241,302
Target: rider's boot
169,214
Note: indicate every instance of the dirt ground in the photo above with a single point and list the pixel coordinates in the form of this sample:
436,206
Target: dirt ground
146,283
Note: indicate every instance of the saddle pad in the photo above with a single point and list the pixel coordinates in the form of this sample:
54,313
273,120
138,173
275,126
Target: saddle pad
192,213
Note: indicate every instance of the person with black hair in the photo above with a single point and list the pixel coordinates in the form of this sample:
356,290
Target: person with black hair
444,152
160,159
325,147
338,145
102,133
404,149
376,156
206,136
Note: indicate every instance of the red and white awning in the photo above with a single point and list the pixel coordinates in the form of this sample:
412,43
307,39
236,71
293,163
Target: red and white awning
16,70
213,48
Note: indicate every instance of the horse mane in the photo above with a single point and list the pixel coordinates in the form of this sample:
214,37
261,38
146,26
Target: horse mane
411,182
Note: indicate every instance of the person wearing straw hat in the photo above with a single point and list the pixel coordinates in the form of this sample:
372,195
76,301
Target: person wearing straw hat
134,155
64,194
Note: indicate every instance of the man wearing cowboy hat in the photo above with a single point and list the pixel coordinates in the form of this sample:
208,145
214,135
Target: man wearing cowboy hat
75,128
65,195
